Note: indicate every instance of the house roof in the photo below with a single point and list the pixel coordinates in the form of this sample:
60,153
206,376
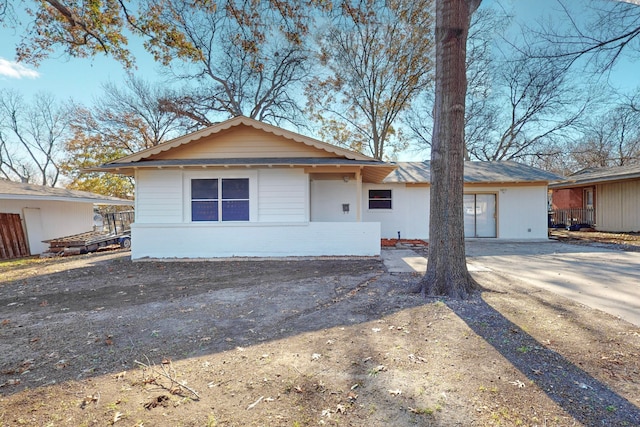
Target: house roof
372,170
21,191
599,175
475,172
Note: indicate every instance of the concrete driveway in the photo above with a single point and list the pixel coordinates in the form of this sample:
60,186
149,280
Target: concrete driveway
601,278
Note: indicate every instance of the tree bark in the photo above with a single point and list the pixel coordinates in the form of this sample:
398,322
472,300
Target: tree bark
447,272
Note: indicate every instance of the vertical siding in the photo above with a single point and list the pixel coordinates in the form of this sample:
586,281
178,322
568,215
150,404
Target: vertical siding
282,195
618,206
159,196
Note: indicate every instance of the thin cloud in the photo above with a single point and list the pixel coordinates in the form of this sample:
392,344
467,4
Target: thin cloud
14,70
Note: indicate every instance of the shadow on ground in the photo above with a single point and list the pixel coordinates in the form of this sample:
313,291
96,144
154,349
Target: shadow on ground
585,398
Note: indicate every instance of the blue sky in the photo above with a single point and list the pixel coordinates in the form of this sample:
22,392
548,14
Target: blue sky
80,79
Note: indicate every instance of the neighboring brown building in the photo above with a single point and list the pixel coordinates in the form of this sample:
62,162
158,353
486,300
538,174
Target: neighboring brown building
606,198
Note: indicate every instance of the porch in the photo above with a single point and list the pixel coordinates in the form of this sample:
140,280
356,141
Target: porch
561,218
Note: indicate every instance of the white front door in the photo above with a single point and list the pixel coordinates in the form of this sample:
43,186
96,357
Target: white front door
480,215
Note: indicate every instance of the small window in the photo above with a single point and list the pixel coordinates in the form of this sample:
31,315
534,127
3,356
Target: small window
379,199
227,202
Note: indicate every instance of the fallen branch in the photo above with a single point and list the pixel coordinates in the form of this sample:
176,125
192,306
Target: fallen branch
167,375
253,405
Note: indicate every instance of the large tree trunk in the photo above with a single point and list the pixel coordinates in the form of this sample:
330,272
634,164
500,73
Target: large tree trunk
447,269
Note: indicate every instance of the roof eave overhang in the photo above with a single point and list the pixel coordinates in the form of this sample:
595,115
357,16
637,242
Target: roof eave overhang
66,199
591,182
373,172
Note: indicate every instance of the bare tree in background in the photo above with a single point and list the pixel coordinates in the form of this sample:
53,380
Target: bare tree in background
31,138
379,59
234,57
610,139
517,106
124,120
600,41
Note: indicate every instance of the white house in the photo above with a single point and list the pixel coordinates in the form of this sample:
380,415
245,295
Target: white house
246,188
32,213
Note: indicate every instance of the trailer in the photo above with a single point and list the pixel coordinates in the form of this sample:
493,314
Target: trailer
115,231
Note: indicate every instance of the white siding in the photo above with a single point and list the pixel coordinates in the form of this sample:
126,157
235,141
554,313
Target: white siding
58,219
159,196
618,206
409,214
283,195
255,240
327,198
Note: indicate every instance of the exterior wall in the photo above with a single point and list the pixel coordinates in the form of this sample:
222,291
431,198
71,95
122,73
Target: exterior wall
567,198
279,218
327,198
159,197
618,206
243,142
521,211
283,195
254,240
409,213
276,195
56,219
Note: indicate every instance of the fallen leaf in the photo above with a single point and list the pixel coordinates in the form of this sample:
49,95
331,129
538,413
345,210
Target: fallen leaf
44,303
316,356
5,322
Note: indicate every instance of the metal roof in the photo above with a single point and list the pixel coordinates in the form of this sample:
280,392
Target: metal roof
599,175
475,172
21,191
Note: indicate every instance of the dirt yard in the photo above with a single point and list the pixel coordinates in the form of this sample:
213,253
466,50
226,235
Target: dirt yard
98,340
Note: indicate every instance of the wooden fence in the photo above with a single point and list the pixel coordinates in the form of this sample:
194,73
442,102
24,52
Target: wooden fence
13,242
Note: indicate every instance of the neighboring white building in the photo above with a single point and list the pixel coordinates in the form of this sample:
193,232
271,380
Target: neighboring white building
46,213
246,188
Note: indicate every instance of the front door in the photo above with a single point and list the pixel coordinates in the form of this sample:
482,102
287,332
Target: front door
480,215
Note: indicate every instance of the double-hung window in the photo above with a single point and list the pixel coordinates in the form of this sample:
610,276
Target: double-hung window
220,199
379,199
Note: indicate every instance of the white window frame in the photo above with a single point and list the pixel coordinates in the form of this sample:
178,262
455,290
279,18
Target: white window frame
252,176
